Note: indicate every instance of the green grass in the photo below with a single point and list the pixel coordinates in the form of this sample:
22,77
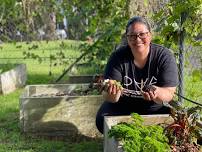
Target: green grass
43,50
193,89
6,67
11,139
39,72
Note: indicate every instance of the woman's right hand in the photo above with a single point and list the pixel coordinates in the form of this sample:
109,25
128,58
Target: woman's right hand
112,90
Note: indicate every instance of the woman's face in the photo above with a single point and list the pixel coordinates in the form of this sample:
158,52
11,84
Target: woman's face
139,37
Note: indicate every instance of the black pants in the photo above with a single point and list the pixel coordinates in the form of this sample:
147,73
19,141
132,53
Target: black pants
126,107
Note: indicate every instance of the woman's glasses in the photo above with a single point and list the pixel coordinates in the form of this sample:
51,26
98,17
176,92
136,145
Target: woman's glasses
142,35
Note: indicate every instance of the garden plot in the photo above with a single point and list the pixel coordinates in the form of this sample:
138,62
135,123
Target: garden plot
59,110
13,78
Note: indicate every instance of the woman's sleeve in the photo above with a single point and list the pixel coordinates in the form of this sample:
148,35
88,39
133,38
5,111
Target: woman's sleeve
168,71
113,68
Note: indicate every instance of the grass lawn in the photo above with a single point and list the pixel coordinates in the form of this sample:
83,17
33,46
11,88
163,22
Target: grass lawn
11,139
39,68
193,90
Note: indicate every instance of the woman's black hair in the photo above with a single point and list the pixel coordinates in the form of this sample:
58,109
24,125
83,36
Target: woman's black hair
138,19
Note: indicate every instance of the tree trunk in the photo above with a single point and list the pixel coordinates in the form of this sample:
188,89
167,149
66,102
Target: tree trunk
28,7
49,18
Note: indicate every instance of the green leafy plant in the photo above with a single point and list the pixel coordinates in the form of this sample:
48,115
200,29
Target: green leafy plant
179,24
137,137
106,24
184,131
176,18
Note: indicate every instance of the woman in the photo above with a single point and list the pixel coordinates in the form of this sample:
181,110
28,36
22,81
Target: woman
138,64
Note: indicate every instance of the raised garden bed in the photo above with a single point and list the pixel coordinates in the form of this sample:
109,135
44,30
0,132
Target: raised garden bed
64,110
12,77
112,145
80,79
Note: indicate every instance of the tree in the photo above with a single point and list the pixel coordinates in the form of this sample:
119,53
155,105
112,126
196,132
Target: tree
179,22
106,23
9,18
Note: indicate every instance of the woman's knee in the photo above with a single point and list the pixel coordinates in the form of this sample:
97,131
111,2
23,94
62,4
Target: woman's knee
100,122
104,110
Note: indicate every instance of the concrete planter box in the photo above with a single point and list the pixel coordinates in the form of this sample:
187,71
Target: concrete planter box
111,145
13,79
42,112
79,79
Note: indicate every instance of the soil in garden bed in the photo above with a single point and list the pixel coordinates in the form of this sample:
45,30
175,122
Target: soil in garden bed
76,92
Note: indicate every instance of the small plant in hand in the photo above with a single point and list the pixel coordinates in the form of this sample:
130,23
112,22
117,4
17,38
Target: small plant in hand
148,88
104,83
107,82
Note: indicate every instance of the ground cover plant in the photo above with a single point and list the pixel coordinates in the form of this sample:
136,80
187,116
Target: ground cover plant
137,137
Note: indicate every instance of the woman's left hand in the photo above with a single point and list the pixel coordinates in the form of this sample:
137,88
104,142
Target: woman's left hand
151,94
159,94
